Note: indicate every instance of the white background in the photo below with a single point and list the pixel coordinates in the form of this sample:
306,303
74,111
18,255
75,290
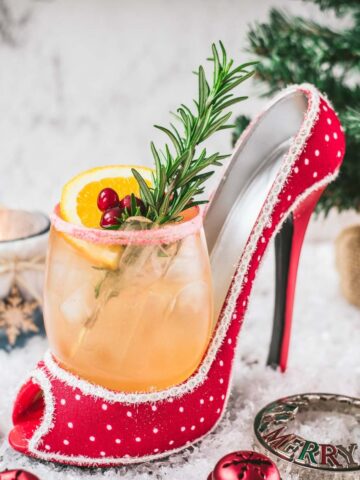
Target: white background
85,80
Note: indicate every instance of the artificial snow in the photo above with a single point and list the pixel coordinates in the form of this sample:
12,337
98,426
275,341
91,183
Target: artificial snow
324,357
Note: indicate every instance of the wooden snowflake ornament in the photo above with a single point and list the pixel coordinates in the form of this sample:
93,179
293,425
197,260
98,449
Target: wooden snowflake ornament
16,315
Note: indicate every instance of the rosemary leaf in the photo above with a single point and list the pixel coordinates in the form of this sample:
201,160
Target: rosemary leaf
180,171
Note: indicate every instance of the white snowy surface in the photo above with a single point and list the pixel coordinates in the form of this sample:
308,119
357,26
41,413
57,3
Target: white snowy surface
324,357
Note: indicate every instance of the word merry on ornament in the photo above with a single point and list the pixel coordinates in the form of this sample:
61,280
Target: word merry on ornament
271,430
306,452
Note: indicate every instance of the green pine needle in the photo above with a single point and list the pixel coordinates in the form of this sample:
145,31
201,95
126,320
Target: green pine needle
294,49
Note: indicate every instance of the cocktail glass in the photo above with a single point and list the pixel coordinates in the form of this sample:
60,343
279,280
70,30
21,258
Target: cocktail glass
130,309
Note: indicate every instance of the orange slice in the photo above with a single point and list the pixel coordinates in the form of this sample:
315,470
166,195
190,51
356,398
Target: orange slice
79,196
78,205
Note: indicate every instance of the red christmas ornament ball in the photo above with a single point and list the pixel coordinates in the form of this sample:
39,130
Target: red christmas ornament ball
245,465
17,475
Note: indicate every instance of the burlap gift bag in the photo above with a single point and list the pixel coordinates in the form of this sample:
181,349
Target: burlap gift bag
348,263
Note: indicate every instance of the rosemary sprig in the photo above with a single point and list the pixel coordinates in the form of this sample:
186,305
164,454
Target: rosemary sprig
179,175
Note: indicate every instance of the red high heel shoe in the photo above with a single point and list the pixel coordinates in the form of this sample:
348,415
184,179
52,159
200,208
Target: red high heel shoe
286,156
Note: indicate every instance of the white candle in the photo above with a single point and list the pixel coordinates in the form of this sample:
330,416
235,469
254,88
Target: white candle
23,243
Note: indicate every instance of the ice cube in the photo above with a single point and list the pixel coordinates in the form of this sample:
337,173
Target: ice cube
79,306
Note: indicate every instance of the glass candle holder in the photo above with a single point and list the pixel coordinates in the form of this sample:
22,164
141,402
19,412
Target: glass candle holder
23,243
132,309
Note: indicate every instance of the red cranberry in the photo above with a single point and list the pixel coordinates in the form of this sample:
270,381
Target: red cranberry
111,217
126,203
107,199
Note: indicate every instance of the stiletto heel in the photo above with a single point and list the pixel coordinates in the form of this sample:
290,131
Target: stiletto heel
280,166
288,244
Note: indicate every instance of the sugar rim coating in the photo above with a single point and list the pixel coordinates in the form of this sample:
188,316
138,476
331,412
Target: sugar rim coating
162,235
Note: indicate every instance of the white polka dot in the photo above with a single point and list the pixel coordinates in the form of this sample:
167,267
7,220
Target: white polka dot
63,401
154,408
262,239
138,439
192,427
66,442
289,197
315,174
296,169
156,450
325,108
221,380
171,442
306,161
327,138
181,409
211,398
246,279
202,419
170,400
104,406
70,425
339,154
335,135
244,303
155,430
234,316
183,429
108,427
218,410
77,397
329,121
229,341
47,447
222,397
221,363
317,153
102,454
259,258
92,438
118,441
129,414
202,401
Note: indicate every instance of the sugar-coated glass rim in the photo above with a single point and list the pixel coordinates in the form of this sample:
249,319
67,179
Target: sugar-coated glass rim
162,235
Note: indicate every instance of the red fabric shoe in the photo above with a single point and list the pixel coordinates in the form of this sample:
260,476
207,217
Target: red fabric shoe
280,166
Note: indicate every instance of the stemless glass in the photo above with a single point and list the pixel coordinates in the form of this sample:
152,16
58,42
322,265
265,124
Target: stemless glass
144,322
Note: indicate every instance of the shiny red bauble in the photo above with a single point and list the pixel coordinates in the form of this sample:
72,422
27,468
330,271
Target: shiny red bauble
17,475
107,199
245,465
111,217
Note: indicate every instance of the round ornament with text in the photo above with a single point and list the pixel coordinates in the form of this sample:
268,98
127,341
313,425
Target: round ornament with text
310,459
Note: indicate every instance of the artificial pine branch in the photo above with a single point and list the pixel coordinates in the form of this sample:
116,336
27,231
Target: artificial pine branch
241,122
179,175
340,7
292,50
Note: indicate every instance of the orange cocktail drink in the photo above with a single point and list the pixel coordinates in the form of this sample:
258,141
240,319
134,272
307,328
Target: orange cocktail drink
132,309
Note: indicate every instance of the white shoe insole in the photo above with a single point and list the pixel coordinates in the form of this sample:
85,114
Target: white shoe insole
235,232
244,187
